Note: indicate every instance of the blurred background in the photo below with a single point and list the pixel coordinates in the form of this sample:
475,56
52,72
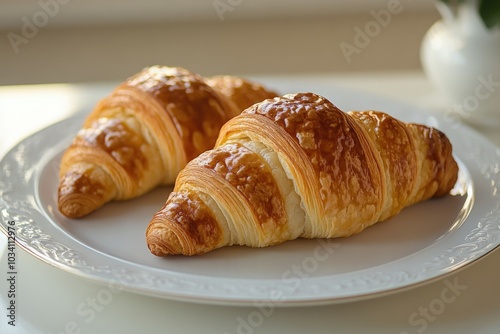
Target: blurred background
61,41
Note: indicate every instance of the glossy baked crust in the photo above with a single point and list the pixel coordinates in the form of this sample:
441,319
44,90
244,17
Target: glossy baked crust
297,166
145,132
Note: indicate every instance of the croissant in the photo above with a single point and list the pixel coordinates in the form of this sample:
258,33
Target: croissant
144,133
297,166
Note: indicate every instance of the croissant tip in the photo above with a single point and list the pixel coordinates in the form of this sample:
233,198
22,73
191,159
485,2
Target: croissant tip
156,247
82,190
156,250
74,210
71,211
154,242
78,205
162,242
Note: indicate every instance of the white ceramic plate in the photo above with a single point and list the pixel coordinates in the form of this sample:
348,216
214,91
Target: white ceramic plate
424,242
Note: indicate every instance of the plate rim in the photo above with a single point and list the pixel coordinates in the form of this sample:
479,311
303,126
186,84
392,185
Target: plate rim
74,264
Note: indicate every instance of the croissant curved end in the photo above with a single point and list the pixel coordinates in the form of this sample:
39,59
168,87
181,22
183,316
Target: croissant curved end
81,193
449,170
162,242
78,205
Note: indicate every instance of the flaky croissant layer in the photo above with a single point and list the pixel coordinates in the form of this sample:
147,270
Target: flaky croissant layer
297,166
145,132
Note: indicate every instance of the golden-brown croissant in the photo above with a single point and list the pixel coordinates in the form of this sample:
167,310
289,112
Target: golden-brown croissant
297,166
145,132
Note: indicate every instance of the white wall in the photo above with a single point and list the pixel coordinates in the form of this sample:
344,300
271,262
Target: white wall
91,40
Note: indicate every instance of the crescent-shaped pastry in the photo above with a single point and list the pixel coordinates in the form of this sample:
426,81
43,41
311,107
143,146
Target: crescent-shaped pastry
297,166
145,132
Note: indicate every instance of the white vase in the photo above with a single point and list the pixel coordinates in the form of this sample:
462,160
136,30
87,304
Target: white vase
461,57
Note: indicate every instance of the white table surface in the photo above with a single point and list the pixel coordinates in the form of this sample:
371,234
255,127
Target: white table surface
48,299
